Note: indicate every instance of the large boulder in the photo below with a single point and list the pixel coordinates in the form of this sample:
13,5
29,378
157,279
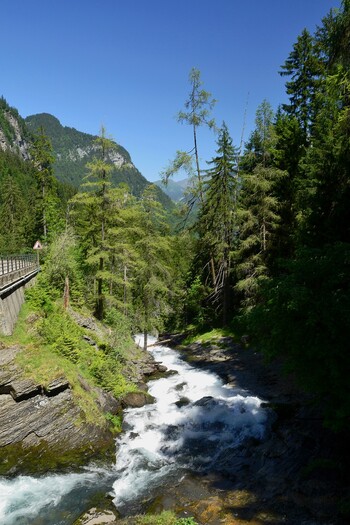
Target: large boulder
136,399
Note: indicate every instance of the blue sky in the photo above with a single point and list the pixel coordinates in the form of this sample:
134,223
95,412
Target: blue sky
125,64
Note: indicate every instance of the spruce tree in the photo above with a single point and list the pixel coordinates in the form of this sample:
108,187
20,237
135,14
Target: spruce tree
217,221
304,67
13,214
42,158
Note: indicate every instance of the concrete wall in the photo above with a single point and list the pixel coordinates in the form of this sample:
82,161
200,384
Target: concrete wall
11,300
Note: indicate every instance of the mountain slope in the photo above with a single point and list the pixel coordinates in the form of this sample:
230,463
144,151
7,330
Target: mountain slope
14,136
74,149
174,189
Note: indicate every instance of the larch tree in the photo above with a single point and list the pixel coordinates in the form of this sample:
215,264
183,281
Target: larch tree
196,113
153,276
92,213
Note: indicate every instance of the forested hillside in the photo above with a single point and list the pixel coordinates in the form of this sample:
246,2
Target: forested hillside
268,250
73,149
272,238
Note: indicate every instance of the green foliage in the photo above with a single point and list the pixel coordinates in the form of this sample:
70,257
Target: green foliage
311,303
40,297
186,521
166,517
116,422
62,261
217,221
103,361
196,312
304,67
17,212
64,337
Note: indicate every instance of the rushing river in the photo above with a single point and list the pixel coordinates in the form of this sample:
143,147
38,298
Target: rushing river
194,419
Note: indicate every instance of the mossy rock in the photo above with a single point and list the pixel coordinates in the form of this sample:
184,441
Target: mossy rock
16,458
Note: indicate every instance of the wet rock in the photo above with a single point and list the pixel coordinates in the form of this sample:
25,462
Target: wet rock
183,401
136,399
142,386
95,516
205,401
180,386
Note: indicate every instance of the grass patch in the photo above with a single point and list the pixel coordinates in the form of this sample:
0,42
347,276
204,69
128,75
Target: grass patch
167,517
208,337
53,345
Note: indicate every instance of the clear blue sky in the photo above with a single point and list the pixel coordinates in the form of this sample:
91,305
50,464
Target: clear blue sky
125,64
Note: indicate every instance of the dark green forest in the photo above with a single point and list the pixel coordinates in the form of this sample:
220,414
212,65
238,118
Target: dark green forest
261,247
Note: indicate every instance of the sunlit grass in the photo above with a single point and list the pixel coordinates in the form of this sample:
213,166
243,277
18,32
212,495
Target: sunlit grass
208,337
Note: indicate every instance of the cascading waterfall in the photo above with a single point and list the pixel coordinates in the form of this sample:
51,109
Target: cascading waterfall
195,419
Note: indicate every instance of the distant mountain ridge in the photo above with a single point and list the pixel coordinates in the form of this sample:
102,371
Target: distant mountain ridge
74,149
174,189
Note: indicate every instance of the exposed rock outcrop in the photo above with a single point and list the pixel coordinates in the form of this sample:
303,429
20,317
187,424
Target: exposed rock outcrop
18,144
43,427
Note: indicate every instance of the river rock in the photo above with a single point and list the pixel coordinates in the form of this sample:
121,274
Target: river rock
97,517
136,399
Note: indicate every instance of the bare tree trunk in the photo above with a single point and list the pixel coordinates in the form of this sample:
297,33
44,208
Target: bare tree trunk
66,294
264,236
199,176
125,284
44,215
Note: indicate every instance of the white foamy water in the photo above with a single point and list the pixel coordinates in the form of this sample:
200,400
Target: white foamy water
27,500
195,419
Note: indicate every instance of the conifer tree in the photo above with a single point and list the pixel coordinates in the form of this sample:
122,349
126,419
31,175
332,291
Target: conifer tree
258,210
196,113
153,277
218,215
43,159
13,214
304,67
92,215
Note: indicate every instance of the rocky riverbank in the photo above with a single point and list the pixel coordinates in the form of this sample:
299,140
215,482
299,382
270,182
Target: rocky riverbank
295,476
44,426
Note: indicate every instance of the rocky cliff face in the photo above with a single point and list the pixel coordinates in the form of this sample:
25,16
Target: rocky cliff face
44,428
12,136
